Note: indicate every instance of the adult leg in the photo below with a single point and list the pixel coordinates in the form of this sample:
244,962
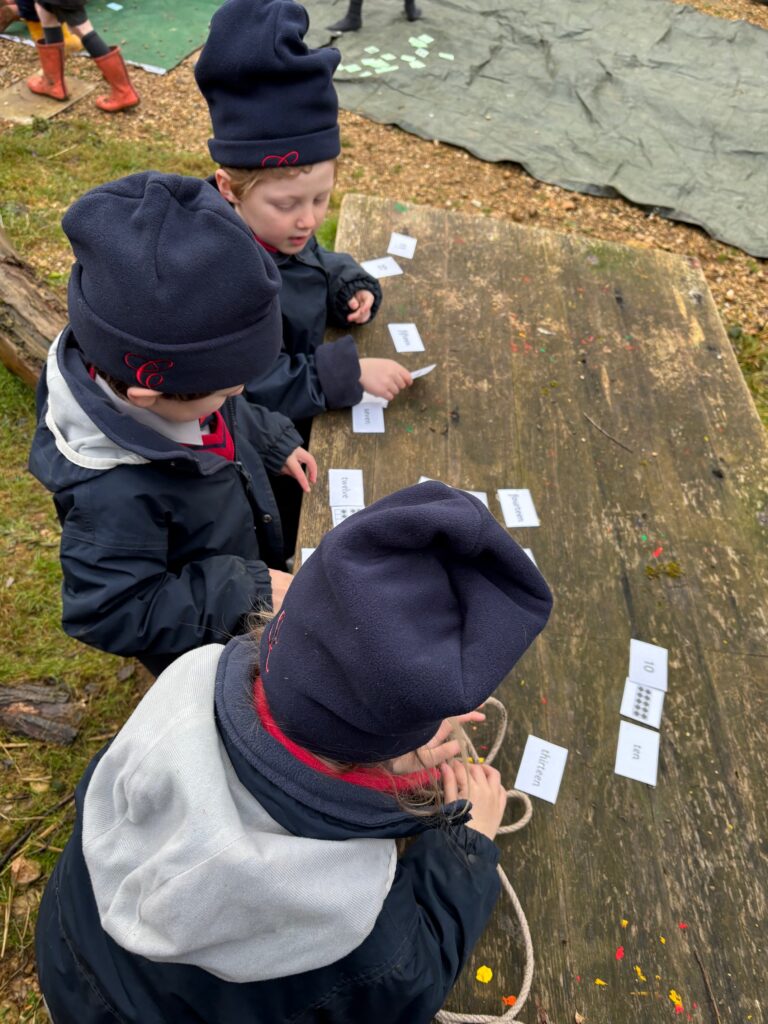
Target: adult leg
412,12
352,20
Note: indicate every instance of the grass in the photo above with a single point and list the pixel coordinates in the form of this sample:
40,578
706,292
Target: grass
47,164
752,353
35,776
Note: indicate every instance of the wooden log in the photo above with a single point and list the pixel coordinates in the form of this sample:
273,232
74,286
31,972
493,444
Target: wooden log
31,316
44,711
600,377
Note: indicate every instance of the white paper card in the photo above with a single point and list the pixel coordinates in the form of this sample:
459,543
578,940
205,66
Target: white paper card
385,266
423,371
530,555
642,703
406,337
648,664
367,419
480,495
305,554
517,507
541,769
637,753
402,245
342,512
369,399
345,487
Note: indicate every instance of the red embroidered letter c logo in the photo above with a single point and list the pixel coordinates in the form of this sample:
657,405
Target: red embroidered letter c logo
281,161
149,372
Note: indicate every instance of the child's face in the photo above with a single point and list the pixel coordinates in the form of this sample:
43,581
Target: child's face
172,409
286,212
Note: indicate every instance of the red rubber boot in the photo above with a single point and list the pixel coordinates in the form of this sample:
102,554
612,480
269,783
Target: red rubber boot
51,82
123,95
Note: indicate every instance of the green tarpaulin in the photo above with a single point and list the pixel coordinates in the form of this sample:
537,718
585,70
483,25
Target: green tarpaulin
642,98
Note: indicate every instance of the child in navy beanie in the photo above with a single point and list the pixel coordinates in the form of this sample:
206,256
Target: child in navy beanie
234,854
159,471
274,112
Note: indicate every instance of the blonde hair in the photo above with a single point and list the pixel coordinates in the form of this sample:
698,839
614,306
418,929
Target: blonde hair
243,179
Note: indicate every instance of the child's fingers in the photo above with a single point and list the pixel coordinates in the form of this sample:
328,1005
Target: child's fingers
353,303
450,783
295,470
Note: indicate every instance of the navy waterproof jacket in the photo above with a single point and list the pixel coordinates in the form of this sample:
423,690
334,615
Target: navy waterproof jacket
438,900
309,376
163,547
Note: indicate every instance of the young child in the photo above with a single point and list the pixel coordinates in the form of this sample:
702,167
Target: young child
234,854
158,469
274,112
53,16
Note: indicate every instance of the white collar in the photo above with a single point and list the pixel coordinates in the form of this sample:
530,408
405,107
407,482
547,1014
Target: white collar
183,433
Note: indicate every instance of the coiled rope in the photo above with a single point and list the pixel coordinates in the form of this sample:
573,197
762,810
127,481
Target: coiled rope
447,1016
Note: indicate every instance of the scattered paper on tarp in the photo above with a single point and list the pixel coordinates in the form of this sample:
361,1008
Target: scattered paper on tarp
646,99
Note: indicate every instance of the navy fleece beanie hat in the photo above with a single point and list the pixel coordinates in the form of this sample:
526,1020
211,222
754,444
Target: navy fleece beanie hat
271,98
170,290
408,612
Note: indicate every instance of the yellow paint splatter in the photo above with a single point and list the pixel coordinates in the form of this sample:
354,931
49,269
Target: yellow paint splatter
484,974
639,993
640,974
675,997
624,922
599,981
662,940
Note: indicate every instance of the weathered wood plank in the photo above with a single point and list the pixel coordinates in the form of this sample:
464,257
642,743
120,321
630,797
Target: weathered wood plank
30,316
533,332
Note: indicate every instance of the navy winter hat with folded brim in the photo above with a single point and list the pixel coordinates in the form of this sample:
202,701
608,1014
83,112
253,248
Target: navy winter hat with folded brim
170,290
409,612
271,98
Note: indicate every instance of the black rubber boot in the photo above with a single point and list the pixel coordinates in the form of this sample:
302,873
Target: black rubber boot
352,20
412,12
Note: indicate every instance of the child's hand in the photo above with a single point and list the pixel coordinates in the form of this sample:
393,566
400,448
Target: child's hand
439,748
280,583
361,305
293,467
482,785
384,377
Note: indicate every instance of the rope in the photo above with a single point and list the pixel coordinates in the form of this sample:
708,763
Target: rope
446,1016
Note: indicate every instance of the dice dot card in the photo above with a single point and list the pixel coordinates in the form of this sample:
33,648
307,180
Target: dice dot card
642,703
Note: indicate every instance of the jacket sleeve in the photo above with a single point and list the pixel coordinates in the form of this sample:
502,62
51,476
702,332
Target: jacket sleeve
271,433
302,386
445,888
120,595
345,277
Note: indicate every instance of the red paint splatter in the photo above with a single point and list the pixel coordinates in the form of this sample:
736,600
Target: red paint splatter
682,926
620,953
578,977
695,1006
544,700
679,1008
657,552
509,1000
